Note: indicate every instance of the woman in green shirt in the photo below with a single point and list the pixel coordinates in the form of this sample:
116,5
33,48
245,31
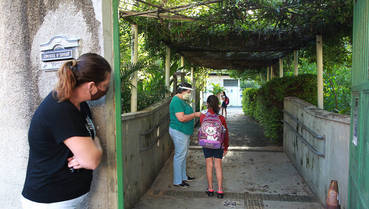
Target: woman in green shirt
180,129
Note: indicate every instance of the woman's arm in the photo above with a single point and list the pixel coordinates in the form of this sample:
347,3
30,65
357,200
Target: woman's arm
87,152
184,118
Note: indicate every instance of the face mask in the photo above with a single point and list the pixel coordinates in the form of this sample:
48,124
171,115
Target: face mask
187,97
99,94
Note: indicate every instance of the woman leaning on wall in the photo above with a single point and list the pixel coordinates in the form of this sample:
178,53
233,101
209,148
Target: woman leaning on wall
64,148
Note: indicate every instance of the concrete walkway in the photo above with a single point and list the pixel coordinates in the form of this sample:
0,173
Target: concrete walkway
254,177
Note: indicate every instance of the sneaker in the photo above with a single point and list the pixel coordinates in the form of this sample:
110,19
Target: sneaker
189,178
183,184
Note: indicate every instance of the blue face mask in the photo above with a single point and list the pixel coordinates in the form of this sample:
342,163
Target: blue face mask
99,94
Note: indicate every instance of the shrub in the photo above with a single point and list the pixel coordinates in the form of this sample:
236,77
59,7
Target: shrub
248,101
150,85
266,104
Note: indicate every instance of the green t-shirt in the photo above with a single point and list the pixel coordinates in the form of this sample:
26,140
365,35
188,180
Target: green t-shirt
178,105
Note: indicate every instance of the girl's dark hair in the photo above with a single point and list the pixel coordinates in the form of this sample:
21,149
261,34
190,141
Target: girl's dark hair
213,103
224,94
180,90
88,67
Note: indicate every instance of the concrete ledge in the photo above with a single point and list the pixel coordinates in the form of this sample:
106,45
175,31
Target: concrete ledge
253,149
317,112
148,111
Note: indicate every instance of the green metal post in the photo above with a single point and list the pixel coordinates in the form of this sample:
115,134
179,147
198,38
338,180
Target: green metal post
359,150
118,106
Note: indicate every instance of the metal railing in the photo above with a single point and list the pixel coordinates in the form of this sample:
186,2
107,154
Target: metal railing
310,131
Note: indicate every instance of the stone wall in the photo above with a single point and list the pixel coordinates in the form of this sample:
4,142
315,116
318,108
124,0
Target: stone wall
24,26
146,147
317,170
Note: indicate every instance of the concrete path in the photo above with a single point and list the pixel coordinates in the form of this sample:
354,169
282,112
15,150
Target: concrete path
253,178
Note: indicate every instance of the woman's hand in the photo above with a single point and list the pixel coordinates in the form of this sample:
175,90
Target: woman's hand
184,118
197,114
73,163
225,153
86,151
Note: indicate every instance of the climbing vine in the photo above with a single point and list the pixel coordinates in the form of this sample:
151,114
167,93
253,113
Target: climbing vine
218,34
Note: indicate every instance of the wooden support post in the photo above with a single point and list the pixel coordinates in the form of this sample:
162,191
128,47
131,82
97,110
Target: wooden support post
267,73
182,62
182,70
193,80
281,68
167,73
134,58
296,62
271,72
319,54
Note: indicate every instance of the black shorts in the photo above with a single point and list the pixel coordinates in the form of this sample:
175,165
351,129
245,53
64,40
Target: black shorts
216,153
224,105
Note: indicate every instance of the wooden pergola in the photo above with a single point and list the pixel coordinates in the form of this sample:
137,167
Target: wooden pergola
242,51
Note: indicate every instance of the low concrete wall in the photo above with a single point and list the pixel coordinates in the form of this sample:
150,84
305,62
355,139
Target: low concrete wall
317,170
146,147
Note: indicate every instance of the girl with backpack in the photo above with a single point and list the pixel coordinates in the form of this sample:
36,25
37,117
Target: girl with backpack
225,103
213,136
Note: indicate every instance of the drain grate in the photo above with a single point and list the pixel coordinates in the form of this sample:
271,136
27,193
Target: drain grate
246,196
279,197
254,204
251,201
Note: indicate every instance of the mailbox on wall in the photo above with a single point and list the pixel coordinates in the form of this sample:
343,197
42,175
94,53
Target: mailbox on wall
55,52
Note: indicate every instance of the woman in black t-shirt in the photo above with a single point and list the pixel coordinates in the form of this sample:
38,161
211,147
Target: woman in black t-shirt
64,148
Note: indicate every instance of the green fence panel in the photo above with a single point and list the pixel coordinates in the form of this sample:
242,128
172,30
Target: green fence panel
359,142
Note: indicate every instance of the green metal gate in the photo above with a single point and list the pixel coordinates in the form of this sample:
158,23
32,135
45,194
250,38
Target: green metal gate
359,143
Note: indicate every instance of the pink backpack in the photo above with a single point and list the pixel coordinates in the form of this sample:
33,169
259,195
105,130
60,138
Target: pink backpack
211,132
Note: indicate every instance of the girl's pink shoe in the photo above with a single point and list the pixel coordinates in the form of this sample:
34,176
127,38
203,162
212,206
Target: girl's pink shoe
220,194
210,192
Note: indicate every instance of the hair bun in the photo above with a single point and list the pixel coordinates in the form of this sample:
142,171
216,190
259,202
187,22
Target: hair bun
74,63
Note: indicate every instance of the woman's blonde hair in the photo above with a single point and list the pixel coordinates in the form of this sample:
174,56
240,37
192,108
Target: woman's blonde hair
89,67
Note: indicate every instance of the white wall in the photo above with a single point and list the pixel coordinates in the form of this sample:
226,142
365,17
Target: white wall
234,93
318,171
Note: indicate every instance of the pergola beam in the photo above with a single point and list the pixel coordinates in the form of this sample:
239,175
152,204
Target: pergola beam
170,17
161,9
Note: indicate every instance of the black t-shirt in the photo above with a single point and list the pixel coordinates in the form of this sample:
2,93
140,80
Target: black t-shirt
48,177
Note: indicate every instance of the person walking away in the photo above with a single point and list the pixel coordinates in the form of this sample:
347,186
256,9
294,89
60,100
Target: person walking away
215,141
225,103
64,148
181,127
